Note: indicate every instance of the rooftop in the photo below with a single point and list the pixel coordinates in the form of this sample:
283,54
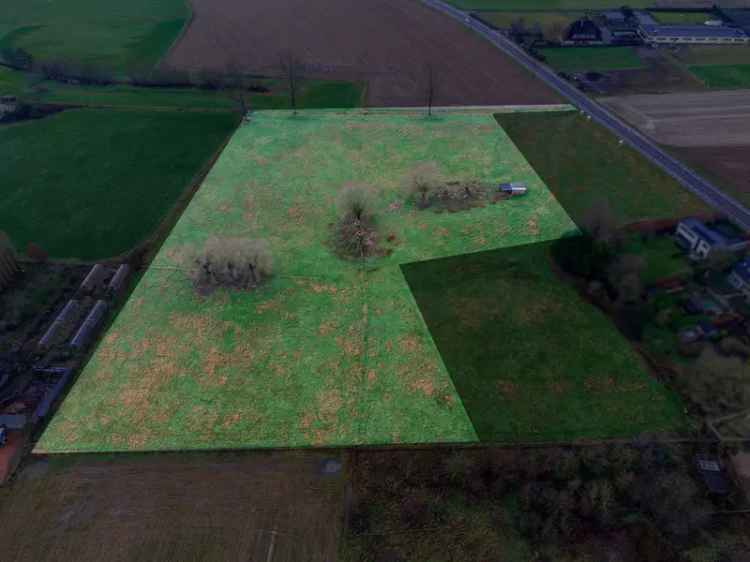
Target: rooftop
692,31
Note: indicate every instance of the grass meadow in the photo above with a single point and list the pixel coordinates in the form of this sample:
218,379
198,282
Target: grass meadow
530,359
91,183
584,164
329,351
124,37
592,59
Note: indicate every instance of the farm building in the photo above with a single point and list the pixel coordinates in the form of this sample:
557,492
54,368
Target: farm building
739,278
701,34
700,240
8,105
583,31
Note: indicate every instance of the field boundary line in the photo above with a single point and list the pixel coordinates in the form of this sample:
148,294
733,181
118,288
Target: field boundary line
180,35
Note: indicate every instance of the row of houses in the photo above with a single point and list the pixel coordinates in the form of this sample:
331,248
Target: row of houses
626,26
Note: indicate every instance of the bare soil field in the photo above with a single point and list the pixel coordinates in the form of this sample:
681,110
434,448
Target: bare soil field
689,119
386,43
274,507
727,166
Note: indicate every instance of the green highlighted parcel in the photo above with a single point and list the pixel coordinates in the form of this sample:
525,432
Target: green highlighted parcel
329,352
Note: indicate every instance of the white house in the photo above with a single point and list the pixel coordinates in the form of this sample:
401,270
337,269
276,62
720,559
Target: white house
700,240
739,278
8,104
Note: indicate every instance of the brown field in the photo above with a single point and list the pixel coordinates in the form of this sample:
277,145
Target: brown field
727,166
272,507
689,119
386,43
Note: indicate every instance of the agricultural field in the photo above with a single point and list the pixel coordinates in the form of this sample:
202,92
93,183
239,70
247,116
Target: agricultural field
723,76
682,18
496,319
553,24
208,507
92,184
583,164
343,40
329,351
681,119
717,66
312,94
123,37
592,59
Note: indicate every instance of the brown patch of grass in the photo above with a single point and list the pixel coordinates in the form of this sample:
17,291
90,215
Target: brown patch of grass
408,344
507,388
425,386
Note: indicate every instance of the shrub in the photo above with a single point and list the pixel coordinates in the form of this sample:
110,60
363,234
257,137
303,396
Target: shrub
238,263
422,181
355,232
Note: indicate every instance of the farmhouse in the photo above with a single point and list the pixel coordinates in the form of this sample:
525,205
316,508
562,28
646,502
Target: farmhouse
8,105
701,34
583,31
700,240
739,278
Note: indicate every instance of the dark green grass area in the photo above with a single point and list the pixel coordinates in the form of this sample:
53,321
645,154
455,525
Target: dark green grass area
583,164
121,36
723,76
663,257
585,59
313,94
682,18
92,184
530,359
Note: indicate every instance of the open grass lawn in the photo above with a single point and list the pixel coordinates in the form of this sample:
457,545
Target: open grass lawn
592,59
329,351
682,18
529,358
663,257
122,36
723,76
92,184
583,164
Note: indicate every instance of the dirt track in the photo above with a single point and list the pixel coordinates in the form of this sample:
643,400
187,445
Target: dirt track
385,42
689,120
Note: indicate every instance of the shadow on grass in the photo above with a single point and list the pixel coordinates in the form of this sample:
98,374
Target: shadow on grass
531,360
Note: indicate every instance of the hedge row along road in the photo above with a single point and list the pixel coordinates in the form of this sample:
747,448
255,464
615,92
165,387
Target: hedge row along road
692,181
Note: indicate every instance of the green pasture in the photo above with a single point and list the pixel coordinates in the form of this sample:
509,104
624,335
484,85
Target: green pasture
553,24
92,184
329,351
701,55
584,164
530,359
682,18
312,94
591,59
121,36
723,76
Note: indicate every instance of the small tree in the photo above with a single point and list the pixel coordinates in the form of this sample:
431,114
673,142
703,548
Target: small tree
625,275
291,67
600,223
422,180
356,201
238,263
431,87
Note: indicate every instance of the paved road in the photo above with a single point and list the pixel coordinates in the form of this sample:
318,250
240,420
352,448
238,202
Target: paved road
689,179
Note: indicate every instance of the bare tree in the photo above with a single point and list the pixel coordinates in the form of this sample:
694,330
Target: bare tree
291,68
600,223
625,274
431,87
356,232
238,263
